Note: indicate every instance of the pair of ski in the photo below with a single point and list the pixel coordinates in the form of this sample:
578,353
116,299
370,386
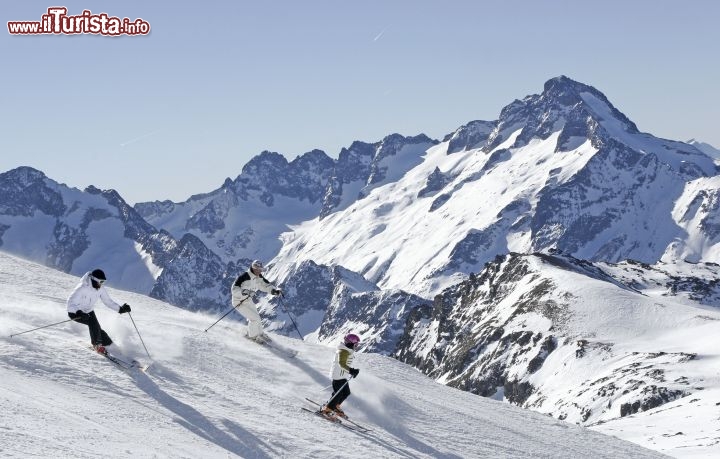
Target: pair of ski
275,347
342,422
122,363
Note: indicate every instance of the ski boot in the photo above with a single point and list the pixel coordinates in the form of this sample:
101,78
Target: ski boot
100,349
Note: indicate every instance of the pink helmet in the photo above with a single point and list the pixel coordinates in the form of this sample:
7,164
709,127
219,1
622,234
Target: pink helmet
352,338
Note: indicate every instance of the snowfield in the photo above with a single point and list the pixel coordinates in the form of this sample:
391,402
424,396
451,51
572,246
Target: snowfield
216,394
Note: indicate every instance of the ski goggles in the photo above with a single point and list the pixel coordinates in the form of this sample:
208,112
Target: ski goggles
99,281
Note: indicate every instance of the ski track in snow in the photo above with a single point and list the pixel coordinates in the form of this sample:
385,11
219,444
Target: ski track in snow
216,394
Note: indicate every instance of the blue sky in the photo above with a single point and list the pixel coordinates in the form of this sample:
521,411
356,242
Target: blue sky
174,113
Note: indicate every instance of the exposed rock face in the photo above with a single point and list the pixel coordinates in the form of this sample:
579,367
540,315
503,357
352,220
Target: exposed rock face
196,279
470,136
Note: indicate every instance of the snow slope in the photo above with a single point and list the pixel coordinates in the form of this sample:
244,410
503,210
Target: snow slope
216,394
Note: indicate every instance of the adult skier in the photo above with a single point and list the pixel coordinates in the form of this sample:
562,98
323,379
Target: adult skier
243,290
340,373
81,303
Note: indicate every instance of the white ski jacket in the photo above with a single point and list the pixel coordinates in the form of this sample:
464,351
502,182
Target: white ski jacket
248,283
84,297
342,363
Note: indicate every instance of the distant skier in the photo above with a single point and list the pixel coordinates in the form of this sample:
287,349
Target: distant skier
243,290
81,303
341,373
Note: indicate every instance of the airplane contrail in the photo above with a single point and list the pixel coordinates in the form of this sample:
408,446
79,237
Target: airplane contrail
139,138
380,34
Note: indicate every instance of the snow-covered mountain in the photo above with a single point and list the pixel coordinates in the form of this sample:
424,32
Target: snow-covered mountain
216,395
77,231
241,220
563,169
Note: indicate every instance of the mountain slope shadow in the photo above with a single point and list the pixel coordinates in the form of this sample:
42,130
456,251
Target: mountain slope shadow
241,443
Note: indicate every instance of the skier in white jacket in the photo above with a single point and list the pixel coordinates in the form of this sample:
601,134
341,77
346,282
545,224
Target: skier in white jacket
82,301
243,290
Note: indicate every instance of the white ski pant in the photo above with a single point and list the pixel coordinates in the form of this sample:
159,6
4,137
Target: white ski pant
250,312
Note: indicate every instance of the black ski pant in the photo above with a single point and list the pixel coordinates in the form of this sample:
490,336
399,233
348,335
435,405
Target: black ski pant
97,334
341,391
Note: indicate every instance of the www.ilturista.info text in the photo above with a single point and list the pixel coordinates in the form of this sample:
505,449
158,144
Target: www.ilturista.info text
56,21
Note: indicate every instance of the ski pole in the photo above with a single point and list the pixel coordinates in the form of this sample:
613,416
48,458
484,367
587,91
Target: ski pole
138,332
282,305
221,318
39,328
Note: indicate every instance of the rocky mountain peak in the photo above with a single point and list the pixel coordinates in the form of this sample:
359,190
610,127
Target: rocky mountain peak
22,176
262,165
271,174
566,91
24,190
471,135
576,109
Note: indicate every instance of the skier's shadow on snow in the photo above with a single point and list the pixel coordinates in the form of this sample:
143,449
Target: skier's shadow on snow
306,368
241,442
396,429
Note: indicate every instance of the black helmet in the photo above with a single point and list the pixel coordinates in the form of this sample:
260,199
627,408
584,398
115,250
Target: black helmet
98,275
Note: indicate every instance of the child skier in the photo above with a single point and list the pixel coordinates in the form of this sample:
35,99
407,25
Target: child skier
341,373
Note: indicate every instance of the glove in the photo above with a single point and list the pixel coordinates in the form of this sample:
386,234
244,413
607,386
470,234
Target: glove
124,308
354,372
276,291
80,314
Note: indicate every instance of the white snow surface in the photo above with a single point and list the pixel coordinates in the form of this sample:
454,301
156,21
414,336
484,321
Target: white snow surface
215,394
